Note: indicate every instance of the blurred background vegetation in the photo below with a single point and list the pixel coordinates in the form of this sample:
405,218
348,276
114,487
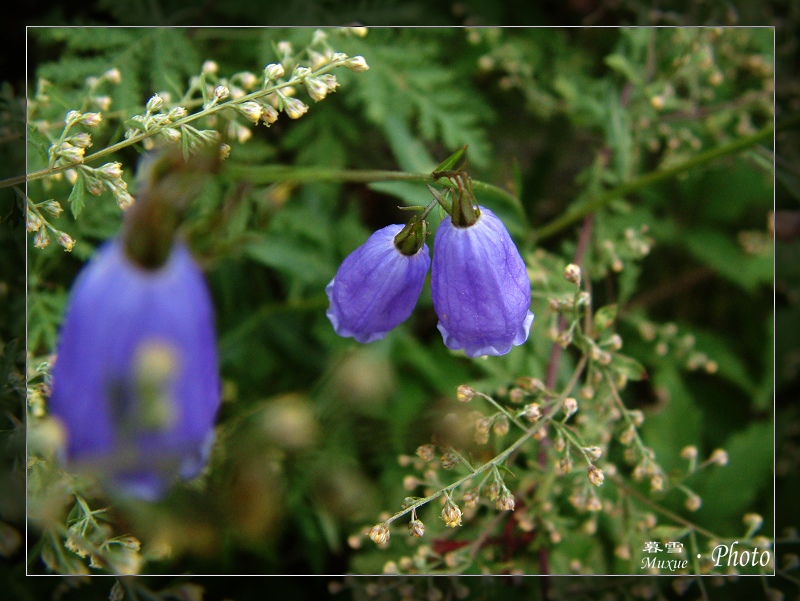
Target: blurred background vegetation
555,115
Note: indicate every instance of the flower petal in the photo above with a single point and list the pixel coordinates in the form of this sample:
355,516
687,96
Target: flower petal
136,380
376,287
481,290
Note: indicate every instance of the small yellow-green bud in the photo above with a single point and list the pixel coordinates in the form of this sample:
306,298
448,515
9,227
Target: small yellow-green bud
273,71
41,239
294,108
155,103
91,119
693,502
357,64
426,452
81,140
501,426
32,221
251,110
596,476
532,412
451,514
379,534
470,497
416,528
66,241
505,502
221,92
316,88
465,393
572,273
72,117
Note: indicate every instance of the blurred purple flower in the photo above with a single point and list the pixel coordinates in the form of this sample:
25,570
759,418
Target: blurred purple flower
481,290
376,287
136,379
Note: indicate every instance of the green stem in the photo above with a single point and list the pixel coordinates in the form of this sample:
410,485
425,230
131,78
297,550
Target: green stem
648,179
269,174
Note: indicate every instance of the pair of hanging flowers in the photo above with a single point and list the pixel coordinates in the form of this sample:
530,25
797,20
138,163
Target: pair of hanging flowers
480,286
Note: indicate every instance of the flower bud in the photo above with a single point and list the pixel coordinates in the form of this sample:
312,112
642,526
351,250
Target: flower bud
155,103
269,114
572,273
124,199
81,140
72,117
91,119
248,80
294,108
505,502
451,514
357,64
32,221
532,412
719,456
221,92
177,112
570,406
379,534
317,60
210,67
251,110
465,393
110,171
41,239
113,76
426,452
316,88
596,476
53,207
273,71
693,502
66,241
471,497
71,153
416,528
501,426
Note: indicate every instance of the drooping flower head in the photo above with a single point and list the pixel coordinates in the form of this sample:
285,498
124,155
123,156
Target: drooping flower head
136,379
481,290
378,284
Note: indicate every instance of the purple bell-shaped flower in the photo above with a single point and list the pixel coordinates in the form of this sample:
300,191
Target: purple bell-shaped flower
378,284
481,290
136,379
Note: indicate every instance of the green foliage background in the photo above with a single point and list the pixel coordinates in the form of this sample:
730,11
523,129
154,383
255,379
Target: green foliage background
557,116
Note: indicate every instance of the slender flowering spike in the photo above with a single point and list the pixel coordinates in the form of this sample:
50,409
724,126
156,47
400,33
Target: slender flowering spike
376,287
136,382
481,290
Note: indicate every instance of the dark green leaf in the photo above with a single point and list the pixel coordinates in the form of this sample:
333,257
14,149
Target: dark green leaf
77,196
